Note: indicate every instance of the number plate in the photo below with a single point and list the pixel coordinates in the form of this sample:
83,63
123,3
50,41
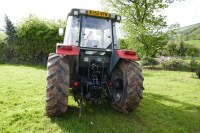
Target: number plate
98,13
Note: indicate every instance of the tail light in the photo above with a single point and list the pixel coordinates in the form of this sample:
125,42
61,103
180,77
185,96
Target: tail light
110,84
75,84
129,52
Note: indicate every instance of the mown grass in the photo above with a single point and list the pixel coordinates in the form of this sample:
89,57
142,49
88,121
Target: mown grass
171,104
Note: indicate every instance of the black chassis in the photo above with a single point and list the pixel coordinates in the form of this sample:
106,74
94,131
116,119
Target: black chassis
93,74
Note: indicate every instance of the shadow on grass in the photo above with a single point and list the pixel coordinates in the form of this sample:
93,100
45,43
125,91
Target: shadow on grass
195,77
151,116
88,110
94,118
165,98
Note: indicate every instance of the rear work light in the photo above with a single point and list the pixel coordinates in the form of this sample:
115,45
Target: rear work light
129,52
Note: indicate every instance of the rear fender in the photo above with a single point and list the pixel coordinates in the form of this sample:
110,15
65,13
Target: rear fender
122,54
72,52
63,49
127,54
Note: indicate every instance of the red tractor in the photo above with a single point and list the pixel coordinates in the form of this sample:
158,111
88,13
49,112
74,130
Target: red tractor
91,64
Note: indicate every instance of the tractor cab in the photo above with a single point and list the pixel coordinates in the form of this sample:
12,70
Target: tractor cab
91,29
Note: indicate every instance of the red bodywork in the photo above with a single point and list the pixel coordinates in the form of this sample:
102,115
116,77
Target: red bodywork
127,54
73,50
66,49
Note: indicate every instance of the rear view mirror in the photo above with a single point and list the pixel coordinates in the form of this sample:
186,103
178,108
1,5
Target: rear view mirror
61,31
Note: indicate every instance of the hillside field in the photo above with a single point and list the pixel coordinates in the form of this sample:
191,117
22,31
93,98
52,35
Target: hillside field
171,104
196,43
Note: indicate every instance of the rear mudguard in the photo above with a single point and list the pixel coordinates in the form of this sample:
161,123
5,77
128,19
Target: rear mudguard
121,54
63,49
127,54
72,53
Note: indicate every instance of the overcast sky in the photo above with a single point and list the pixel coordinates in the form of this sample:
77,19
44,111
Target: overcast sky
185,13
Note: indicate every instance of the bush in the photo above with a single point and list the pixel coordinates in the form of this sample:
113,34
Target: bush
155,67
171,48
193,51
31,41
176,48
180,65
148,61
2,43
174,64
37,38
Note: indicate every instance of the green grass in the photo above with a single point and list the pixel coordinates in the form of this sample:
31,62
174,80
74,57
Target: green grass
195,43
171,104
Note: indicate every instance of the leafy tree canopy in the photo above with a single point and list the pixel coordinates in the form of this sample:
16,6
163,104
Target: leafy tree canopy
143,23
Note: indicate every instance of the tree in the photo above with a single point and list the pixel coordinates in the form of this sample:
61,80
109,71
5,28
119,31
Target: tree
171,48
2,44
143,23
10,31
180,46
123,43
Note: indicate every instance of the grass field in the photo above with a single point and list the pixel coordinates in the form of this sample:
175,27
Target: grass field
171,104
196,43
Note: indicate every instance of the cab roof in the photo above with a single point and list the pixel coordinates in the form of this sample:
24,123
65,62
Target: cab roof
93,13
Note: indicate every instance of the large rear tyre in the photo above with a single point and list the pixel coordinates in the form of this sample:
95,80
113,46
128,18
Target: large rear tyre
127,86
57,88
